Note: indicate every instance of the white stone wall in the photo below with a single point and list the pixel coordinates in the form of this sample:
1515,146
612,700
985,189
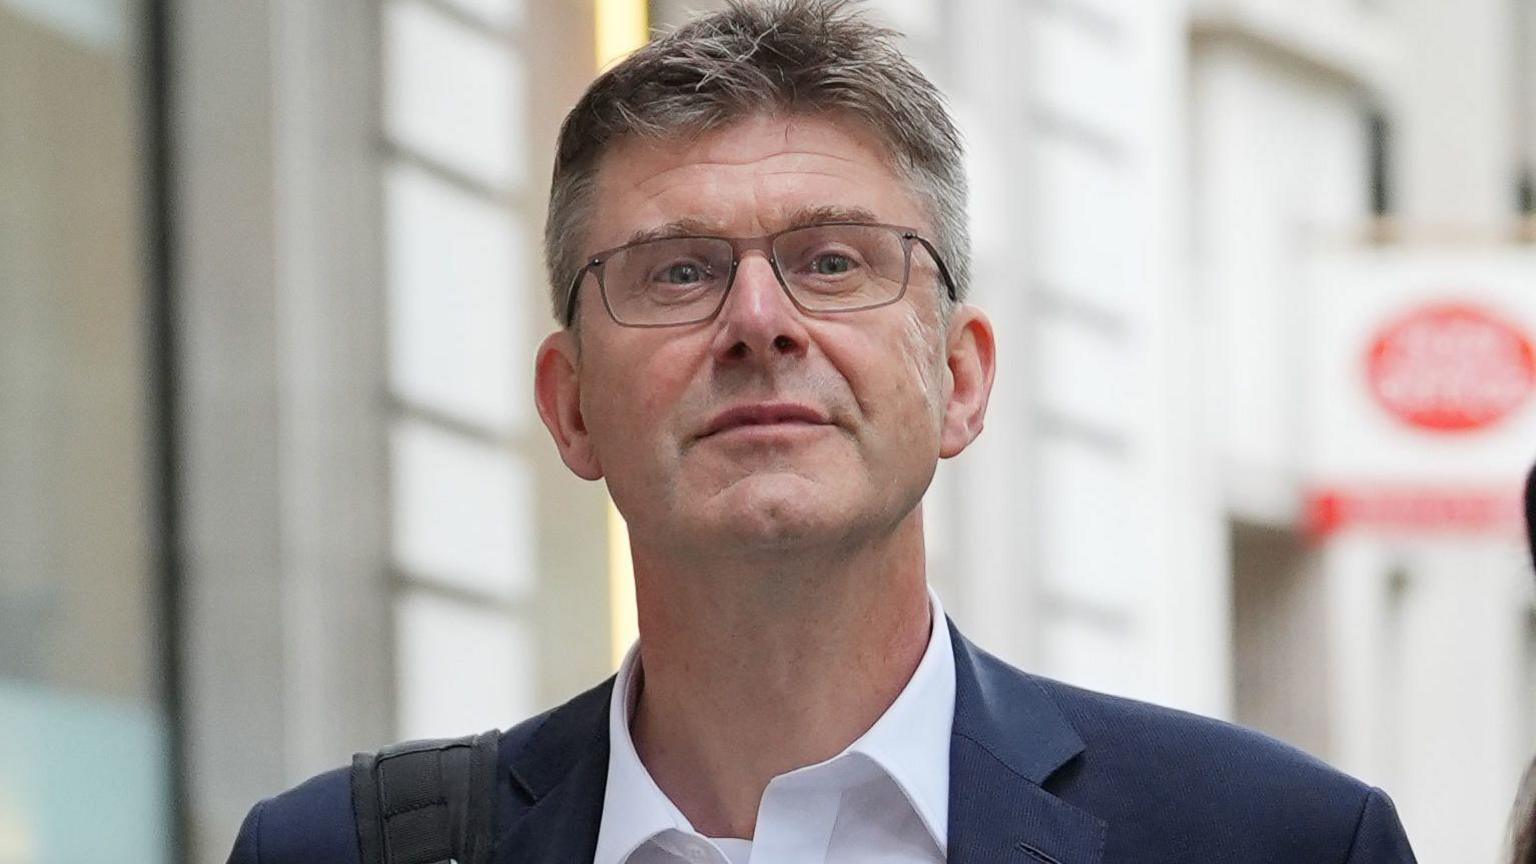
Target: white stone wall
1080,541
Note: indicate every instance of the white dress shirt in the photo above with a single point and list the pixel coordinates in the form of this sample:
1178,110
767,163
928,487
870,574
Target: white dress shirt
883,799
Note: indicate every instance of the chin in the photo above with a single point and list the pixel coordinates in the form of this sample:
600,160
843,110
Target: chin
777,512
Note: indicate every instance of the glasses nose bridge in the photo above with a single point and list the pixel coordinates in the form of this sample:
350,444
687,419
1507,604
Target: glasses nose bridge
740,246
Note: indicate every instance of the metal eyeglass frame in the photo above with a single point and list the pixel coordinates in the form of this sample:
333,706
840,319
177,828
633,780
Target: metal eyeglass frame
765,242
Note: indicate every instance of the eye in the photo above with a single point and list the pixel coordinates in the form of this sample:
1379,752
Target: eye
683,273
832,264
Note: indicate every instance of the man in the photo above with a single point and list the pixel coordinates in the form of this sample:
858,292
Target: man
1524,818
757,244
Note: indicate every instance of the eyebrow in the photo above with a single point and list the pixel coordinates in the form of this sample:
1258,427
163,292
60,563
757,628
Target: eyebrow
688,227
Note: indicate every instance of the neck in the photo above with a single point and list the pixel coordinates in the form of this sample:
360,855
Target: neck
754,668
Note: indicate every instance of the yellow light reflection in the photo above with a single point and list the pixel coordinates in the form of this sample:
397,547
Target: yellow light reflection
16,839
622,26
623,629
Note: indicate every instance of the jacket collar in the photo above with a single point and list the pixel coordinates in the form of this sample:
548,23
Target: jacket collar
557,775
1009,736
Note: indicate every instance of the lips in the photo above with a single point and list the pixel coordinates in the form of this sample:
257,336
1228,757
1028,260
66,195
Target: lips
764,414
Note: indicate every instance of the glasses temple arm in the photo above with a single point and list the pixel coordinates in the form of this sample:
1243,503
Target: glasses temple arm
949,282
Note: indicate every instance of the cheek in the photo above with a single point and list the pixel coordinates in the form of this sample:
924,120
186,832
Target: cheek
901,386
923,359
631,397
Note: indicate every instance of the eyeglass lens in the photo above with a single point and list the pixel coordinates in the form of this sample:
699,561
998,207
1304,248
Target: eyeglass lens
825,267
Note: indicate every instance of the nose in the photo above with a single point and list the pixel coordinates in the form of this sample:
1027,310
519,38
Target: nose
759,322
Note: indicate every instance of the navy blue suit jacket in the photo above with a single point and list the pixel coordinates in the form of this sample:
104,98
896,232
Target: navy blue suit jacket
1039,772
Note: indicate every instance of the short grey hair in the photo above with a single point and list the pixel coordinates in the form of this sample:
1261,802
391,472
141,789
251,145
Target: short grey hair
800,57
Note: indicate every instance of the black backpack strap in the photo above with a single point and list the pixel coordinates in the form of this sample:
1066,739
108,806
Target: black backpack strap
427,802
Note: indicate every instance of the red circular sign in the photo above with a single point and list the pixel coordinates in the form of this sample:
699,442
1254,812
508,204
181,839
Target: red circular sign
1451,368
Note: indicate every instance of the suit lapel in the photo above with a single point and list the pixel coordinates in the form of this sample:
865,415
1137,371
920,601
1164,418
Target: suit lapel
559,777
1008,737
561,827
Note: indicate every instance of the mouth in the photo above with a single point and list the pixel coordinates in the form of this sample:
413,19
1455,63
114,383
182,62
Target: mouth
766,418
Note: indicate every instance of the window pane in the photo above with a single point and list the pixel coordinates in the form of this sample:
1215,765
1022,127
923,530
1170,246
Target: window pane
1080,74
461,669
63,754
456,318
1089,548
502,14
463,511
1084,372
1084,247
453,94
83,735
1086,651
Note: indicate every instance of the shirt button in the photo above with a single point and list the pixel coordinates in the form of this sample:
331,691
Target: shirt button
697,853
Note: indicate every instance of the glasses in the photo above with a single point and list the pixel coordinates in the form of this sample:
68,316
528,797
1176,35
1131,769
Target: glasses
830,267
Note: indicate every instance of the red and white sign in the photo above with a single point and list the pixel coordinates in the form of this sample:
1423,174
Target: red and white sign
1420,389
1451,367
1412,511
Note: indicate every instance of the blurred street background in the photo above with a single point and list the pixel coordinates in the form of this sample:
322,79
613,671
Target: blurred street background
272,488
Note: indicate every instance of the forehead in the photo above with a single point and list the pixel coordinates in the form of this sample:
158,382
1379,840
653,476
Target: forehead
750,177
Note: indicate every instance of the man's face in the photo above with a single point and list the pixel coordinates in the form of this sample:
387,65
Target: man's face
766,428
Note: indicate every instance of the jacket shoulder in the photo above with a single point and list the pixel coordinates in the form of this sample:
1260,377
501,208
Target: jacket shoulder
314,821
1215,785
310,822
1170,738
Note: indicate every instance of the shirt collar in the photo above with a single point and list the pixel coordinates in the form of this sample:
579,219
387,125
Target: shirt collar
634,807
909,742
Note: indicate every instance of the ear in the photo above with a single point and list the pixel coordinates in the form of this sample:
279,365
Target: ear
557,389
971,362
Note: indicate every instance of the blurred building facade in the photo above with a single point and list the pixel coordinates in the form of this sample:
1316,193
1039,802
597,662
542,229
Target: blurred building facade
371,537
84,724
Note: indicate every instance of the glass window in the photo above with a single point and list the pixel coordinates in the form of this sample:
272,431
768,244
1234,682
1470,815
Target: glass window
461,668
457,327
463,511
1084,371
453,94
1080,73
501,14
460,308
1088,545
1090,652
1083,247
83,765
